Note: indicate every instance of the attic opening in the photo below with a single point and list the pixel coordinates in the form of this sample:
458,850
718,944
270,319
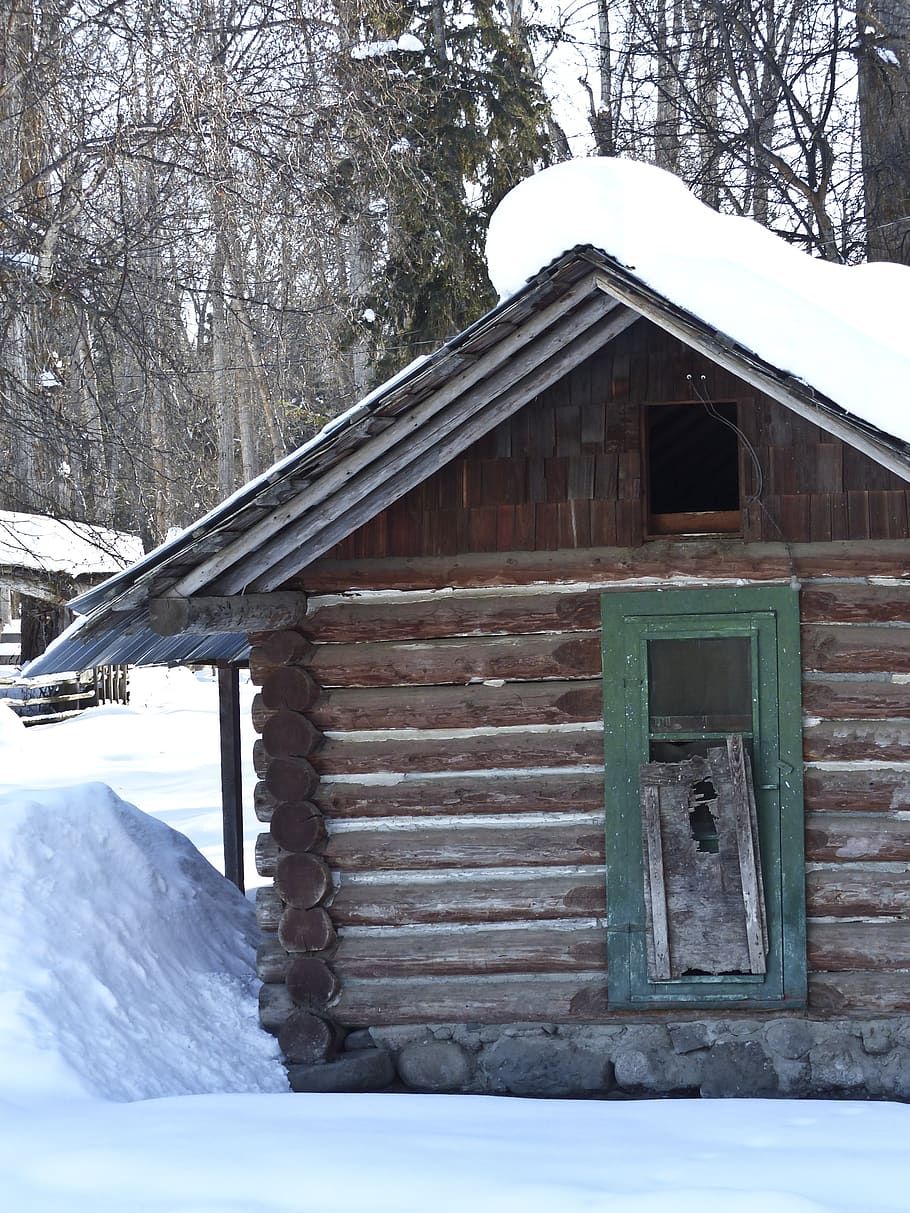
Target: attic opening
692,462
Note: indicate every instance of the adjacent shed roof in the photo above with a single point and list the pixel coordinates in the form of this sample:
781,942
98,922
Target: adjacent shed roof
400,434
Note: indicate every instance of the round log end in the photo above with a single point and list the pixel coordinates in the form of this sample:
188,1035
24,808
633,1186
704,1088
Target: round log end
307,1038
311,983
298,827
302,880
306,930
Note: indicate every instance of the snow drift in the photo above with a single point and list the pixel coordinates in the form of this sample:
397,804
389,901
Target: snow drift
842,329
126,960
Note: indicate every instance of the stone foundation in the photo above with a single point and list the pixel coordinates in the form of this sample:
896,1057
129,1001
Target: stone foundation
719,1058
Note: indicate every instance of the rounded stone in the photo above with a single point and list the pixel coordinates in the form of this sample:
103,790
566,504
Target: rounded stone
363,1070
656,1071
791,1038
737,1070
435,1065
526,1065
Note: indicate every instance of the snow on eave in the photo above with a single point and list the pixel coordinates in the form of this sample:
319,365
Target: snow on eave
840,329
42,544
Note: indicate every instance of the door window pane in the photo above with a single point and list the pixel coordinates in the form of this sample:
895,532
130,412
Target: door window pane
702,684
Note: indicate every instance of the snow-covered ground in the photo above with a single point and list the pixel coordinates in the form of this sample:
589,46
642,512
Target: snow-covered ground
134,1077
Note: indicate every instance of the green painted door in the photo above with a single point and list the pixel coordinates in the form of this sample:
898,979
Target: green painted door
683,671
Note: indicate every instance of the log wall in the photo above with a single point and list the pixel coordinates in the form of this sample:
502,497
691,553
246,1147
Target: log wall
444,860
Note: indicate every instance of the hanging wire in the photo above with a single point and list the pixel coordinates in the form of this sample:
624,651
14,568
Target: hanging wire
700,389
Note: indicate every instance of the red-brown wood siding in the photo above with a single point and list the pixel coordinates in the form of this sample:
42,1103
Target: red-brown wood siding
566,471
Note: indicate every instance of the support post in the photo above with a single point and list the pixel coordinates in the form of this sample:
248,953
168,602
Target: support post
231,784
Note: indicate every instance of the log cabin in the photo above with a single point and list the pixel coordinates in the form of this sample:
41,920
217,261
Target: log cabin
583,655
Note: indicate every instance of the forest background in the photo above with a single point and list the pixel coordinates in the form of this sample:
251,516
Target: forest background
221,222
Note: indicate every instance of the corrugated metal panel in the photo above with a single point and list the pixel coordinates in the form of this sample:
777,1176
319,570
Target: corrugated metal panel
125,638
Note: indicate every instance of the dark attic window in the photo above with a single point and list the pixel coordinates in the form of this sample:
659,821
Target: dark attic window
692,454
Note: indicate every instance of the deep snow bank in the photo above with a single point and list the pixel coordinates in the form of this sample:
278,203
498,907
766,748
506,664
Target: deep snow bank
126,960
843,329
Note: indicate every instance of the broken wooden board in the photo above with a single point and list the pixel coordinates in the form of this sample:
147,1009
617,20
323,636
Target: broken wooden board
704,899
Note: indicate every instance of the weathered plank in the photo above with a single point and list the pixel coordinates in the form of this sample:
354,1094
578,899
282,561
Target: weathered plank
854,740
547,702
526,949
857,892
556,748
856,836
838,947
496,899
476,999
856,699
852,603
569,791
858,790
663,560
872,993
856,649
456,660
485,847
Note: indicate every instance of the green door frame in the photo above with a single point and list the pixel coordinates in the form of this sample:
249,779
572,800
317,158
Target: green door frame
769,617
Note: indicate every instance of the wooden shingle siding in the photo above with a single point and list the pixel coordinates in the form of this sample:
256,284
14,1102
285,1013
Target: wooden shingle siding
465,821
566,471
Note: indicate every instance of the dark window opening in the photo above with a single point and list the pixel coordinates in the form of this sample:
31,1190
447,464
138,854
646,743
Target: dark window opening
702,821
693,468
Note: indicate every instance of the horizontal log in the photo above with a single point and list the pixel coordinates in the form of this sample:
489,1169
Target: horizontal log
290,735
272,961
569,791
854,836
172,615
441,662
562,748
485,847
847,993
851,603
856,699
853,740
863,790
298,827
526,949
856,649
306,930
496,899
837,947
311,982
269,908
275,1006
267,853
302,881
857,892
576,998
660,560
363,619
289,687
549,702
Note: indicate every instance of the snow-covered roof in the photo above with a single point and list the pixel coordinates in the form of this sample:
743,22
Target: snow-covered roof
60,545
573,306
845,330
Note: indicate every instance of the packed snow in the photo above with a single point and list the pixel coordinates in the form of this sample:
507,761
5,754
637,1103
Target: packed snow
134,1076
60,545
842,329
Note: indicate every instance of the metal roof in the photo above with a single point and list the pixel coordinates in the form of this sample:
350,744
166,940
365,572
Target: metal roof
399,434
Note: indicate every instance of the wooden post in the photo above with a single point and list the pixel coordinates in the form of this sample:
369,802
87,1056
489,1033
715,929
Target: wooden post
231,785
